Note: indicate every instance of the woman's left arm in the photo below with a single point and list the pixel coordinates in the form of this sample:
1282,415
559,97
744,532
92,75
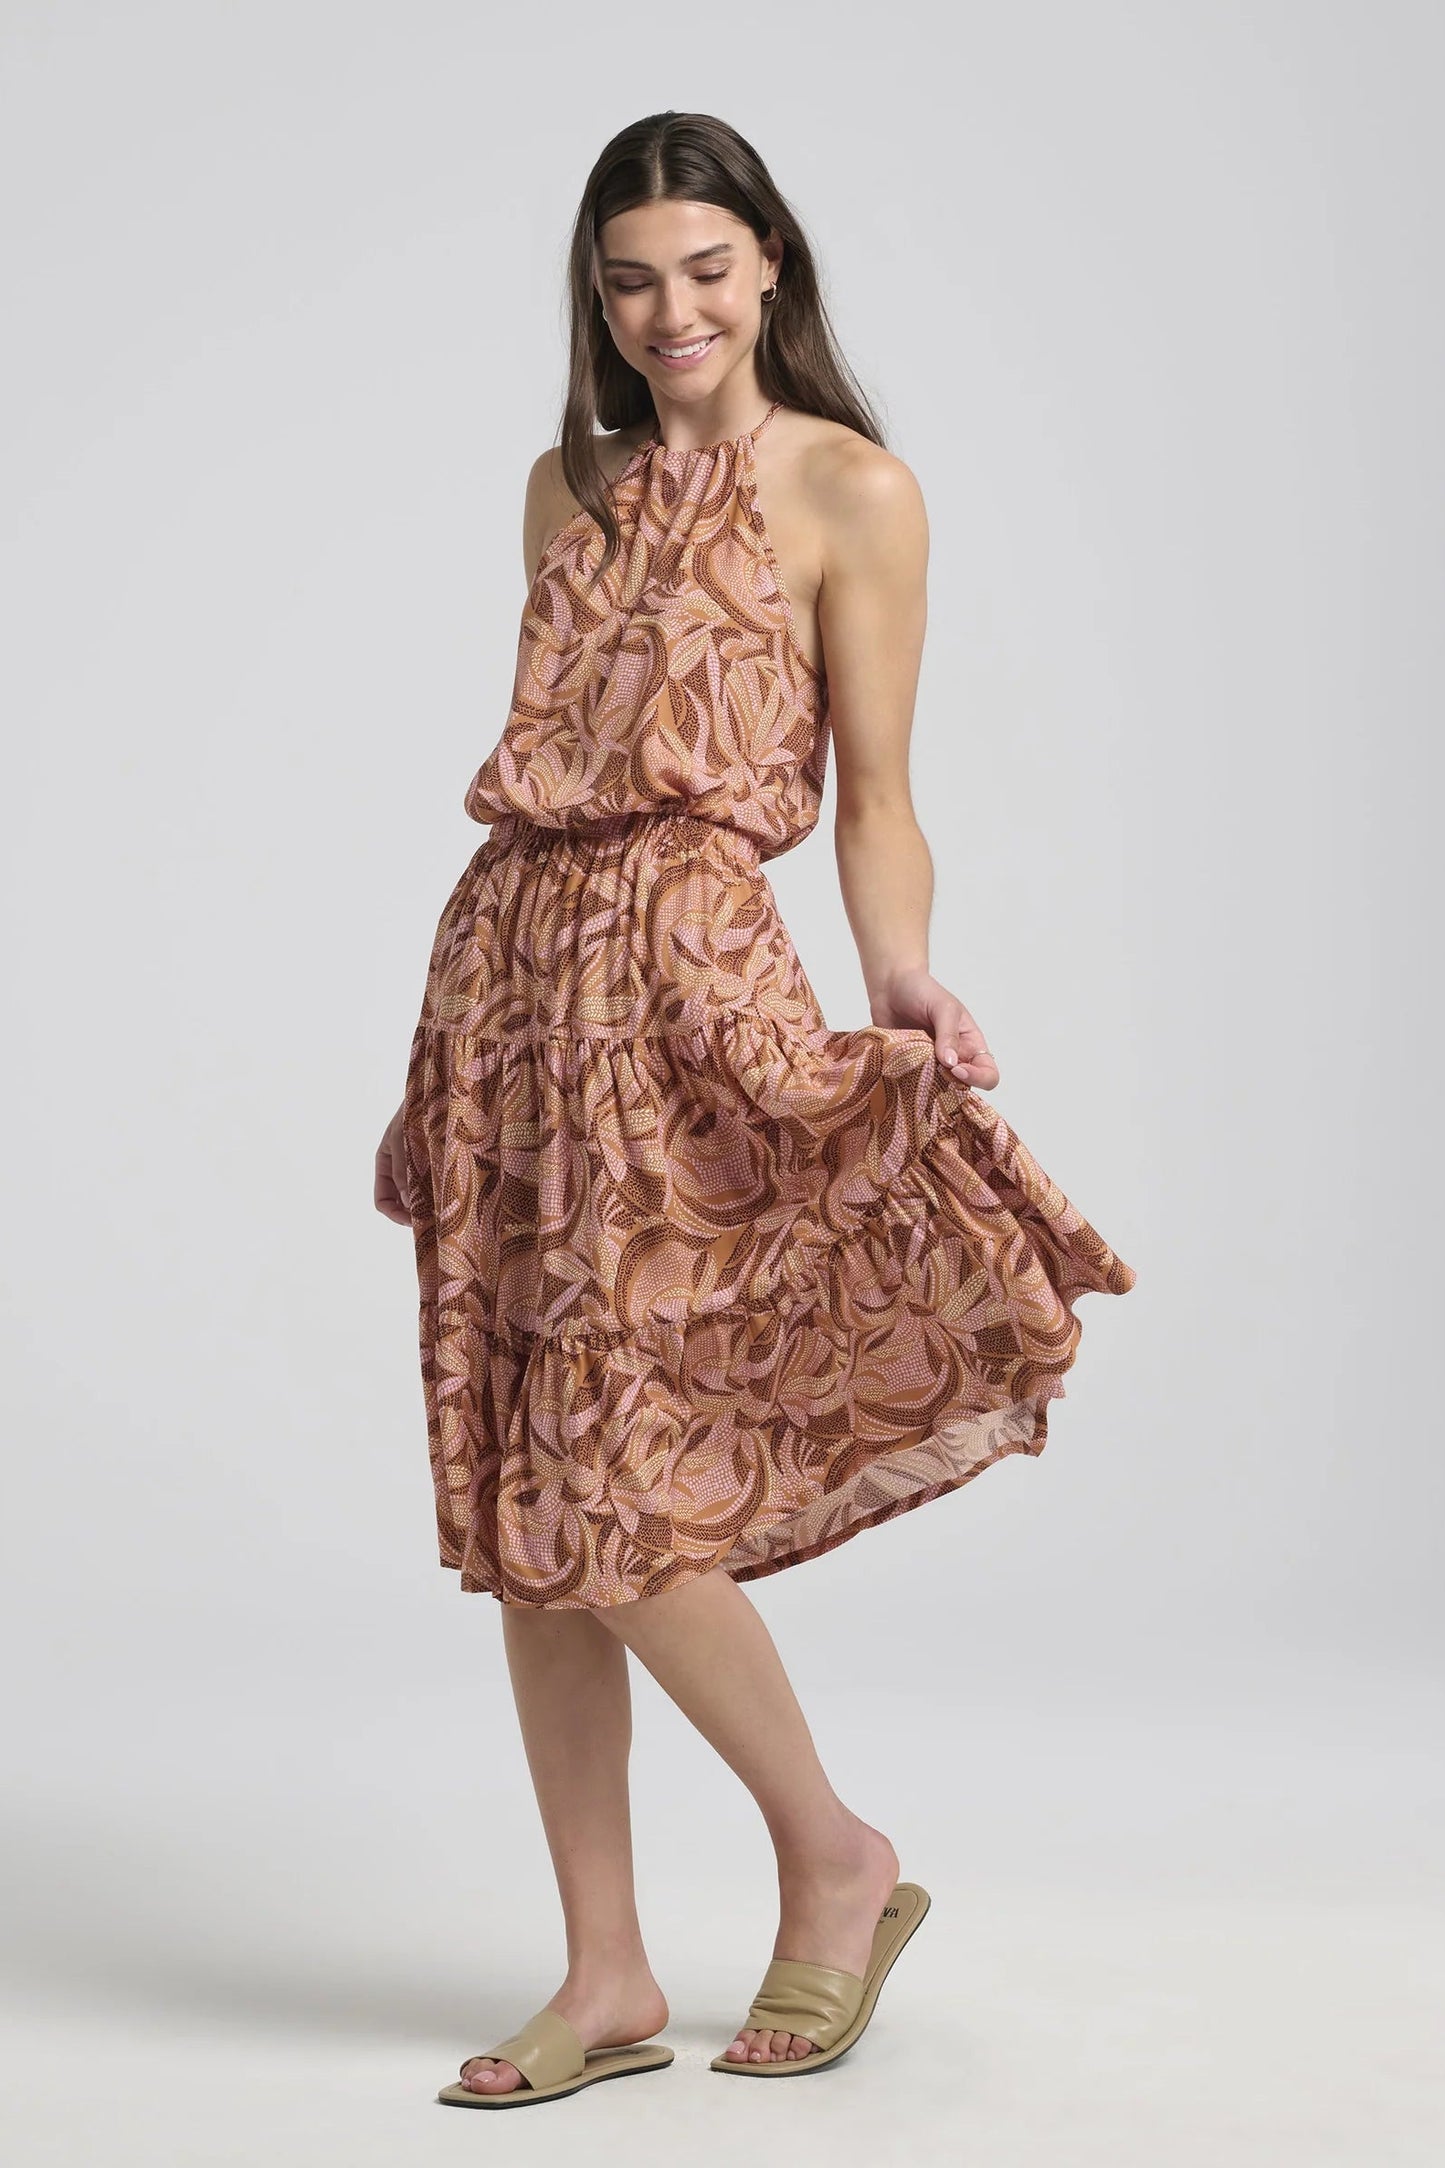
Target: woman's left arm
872,611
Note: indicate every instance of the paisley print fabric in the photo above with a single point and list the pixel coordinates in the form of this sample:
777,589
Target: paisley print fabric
674,681
704,1284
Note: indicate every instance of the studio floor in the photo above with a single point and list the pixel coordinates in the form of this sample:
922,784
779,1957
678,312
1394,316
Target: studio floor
1157,1940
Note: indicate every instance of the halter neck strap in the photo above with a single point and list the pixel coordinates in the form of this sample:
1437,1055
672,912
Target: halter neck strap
654,440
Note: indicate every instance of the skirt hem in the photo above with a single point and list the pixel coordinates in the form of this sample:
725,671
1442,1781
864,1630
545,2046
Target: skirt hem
758,1569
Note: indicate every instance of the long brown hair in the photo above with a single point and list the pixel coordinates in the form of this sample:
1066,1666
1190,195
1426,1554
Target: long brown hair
694,158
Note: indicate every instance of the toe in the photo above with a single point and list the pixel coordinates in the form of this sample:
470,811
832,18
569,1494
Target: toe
485,2076
768,2047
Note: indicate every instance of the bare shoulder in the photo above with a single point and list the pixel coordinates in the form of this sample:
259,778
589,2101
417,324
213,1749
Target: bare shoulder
546,483
550,504
862,499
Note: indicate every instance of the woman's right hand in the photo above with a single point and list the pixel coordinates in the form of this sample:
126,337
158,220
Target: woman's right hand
390,1191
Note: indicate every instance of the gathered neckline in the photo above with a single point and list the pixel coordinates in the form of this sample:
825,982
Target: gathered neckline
745,482
654,442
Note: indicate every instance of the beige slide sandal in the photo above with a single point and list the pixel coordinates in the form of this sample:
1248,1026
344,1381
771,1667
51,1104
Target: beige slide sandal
553,2062
828,2007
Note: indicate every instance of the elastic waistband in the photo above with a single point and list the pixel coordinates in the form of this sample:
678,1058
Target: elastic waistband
621,831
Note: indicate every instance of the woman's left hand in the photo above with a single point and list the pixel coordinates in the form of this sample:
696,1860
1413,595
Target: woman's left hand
915,1000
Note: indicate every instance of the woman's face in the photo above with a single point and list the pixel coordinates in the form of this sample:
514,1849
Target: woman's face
683,276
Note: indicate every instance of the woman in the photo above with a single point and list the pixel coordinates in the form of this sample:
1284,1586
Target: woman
706,1287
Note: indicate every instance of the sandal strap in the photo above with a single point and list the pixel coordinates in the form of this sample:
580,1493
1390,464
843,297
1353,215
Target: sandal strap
546,2050
813,2000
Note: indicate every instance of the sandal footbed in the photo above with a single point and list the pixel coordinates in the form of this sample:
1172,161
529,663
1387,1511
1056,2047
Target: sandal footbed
602,2063
902,1913
552,2062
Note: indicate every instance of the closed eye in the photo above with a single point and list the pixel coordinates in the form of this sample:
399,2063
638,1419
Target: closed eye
705,278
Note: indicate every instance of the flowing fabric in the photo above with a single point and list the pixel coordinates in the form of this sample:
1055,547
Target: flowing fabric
703,1283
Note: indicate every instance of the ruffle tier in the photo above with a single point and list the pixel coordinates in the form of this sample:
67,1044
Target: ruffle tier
721,1296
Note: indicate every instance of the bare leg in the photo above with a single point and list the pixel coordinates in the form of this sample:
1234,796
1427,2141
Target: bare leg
709,1649
574,1704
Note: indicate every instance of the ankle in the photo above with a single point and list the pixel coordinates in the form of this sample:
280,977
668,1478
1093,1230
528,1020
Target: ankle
602,1964
820,1847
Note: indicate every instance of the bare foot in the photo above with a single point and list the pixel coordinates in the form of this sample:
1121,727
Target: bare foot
611,2012
830,1908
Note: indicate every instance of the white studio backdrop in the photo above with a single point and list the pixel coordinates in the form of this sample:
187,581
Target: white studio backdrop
1146,297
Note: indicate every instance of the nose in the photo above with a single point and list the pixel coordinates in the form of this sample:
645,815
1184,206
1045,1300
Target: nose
674,319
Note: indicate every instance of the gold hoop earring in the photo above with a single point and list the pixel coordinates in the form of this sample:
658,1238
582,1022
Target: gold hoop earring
769,293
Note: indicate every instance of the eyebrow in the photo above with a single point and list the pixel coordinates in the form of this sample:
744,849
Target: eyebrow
635,263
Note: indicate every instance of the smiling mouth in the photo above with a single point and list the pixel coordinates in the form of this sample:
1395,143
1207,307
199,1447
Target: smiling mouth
681,353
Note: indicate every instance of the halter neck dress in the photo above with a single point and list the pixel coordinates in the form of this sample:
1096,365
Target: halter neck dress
704,1284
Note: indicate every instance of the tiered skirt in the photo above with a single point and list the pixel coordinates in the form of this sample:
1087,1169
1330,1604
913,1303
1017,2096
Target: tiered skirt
702,1283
